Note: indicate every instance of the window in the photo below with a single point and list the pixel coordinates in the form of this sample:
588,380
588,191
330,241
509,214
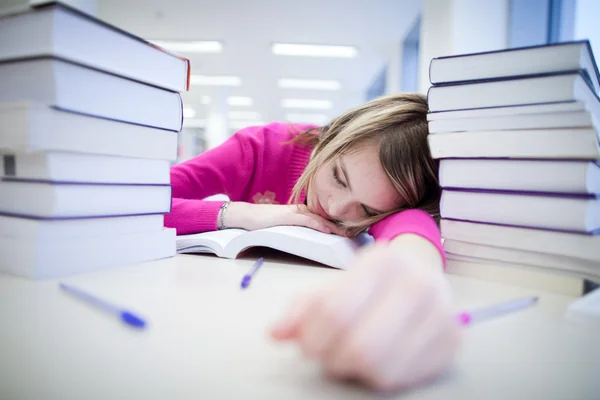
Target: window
409,81
377,87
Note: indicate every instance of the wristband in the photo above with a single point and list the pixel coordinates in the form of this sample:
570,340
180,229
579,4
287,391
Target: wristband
222,212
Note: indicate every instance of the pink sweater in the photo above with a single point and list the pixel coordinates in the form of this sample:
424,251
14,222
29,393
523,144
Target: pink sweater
255,165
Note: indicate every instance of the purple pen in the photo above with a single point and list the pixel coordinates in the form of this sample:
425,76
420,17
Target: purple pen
248,277
127,317
468,317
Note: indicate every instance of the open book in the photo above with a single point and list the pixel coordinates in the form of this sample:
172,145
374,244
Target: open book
335,251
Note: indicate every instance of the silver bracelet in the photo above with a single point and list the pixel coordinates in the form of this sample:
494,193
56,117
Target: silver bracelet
222,212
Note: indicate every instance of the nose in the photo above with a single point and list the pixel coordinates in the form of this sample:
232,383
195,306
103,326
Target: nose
337,208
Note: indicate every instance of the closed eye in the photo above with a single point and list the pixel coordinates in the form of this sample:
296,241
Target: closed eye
336,177
367,212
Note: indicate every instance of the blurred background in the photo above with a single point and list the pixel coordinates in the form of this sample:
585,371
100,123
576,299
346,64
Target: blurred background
247,67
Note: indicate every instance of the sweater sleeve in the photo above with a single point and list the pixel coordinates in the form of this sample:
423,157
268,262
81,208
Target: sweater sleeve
226,169
417,222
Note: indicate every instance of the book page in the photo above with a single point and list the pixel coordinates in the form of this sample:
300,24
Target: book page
207,242
306,234
335,251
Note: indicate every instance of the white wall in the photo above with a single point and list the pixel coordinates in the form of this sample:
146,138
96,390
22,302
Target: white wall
435,36
460,26
479,25
394,69
587,17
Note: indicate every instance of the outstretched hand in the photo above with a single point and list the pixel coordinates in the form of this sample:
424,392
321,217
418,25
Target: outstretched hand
388,321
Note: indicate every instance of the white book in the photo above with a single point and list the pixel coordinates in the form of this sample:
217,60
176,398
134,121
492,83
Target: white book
581,119
560,107
521,61
567,244
47,258
515,274
59,30
332,250
32,127
64,200
568,213
511,92
42,229
586,310
72,87
555,176
84,168
579,267
575,143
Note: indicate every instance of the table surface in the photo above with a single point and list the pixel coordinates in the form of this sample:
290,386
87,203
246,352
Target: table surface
207,339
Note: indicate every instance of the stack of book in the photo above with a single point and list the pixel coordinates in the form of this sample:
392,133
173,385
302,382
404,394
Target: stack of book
89,116
517,132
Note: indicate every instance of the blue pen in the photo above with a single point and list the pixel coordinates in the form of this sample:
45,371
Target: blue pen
248,277
125,316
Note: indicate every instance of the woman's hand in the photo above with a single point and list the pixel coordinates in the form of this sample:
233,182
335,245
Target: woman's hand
257,216
387,322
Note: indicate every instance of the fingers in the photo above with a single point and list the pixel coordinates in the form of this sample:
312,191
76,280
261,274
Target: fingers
362,350
319,223
287,327
433,344
336,310
394,344
385,322
338,306
310,221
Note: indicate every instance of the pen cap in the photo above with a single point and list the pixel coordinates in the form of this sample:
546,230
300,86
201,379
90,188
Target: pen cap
132,320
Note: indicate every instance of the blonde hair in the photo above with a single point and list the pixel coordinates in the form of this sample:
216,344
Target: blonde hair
399,124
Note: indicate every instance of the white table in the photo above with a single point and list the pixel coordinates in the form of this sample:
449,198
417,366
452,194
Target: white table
207,339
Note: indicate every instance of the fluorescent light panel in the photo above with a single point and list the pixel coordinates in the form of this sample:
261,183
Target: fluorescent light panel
307,103
312,50
240,101
189,112
316,84
240,124
314,118
244,115
216,80
190,46
194,123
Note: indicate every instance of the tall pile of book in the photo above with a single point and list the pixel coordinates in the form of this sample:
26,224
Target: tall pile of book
517,133
89,116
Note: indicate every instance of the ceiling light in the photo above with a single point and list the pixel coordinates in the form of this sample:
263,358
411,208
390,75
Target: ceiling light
194,123
216,80
311,50
247,115
316,118
189,113
243,124
190,46
306,103
317,84
239,101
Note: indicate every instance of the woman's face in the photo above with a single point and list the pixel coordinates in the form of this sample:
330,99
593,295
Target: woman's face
352,187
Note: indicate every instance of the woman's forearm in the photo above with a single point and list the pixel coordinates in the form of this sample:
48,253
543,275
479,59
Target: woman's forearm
415,248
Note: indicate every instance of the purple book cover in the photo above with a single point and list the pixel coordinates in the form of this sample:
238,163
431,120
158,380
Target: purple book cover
580,196
37,218
579,72
582,233
554,160
68,61
56,183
